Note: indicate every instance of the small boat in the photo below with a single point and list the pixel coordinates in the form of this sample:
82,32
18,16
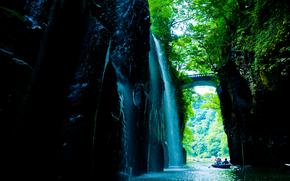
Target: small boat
221,165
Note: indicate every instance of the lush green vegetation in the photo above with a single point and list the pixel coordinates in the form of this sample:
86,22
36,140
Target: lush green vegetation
196,31
187,52
203,35
204,136
208,33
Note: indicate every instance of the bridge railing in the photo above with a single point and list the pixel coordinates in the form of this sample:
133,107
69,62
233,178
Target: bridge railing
201,79
201,75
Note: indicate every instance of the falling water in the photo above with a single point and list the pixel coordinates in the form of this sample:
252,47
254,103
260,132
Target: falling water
127,111
154,110
34,9
170,108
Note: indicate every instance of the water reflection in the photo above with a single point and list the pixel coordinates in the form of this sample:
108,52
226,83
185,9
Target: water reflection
202,171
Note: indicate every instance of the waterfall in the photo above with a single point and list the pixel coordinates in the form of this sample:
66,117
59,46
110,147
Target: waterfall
126,109
34,9
155,119
170,109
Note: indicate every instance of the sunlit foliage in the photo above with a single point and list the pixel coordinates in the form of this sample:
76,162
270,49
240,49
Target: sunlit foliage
203,35
160,16
209,139
187,28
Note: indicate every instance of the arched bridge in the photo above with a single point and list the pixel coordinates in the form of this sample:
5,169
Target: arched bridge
201,80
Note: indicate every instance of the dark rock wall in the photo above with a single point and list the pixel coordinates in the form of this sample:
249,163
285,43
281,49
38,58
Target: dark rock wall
236,104
19,47
61,100
46,107
254,89
255,124
130,47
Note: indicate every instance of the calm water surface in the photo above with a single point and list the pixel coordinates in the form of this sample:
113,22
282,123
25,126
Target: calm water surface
202,171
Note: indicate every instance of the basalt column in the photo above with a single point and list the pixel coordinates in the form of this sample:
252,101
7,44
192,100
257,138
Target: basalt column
129,57
236,104
75,93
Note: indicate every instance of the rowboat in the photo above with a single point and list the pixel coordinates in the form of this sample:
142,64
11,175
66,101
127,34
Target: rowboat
221,165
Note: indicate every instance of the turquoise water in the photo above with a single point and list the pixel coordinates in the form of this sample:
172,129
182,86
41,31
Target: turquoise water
202,171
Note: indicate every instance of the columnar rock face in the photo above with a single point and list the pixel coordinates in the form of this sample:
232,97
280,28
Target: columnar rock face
254,89
72,74
255,124
236,104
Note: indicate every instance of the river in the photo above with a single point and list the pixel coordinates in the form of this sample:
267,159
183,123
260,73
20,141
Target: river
202,171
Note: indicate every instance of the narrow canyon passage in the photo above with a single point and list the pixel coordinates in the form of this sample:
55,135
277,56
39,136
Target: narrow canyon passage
101,89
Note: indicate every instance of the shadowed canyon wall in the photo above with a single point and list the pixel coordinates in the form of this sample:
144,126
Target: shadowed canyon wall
74,75
74,97
254,89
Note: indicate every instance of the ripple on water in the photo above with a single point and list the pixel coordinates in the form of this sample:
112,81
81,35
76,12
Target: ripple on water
204,172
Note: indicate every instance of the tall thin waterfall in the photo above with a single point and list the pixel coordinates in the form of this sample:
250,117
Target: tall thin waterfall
170,109
155,118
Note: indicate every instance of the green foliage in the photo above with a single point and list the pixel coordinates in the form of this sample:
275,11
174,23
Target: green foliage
210,31
206,37
185,111
269,39
216,140
207,132
187,140
11,13
160,16
212,102
203,35
187,99
188,55
202,46
263,32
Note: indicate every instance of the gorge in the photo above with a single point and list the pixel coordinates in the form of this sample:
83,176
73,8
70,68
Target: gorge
88,92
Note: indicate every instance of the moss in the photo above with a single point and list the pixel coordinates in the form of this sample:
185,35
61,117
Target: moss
263,32
10,13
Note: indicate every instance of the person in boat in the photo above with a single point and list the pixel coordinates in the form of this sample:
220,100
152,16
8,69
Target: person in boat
218,161
226,162
221,164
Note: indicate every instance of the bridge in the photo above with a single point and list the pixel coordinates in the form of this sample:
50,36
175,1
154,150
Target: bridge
201,80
